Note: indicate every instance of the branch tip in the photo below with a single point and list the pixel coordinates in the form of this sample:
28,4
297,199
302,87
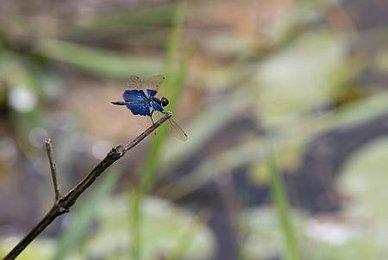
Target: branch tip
49,149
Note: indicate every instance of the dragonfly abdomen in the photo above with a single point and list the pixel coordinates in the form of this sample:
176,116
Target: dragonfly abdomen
119,103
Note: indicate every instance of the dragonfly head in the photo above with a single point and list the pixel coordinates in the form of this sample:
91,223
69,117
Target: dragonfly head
164,101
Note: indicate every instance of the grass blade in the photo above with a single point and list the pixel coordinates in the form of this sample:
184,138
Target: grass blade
96,61
279,197
172,89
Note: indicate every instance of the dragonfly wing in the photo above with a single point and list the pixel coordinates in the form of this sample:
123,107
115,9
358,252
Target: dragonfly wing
135,82
136,101
134,96
177,131
151,92
154,82
139,109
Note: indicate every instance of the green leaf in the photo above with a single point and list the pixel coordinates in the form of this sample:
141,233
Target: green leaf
97,61
279,198
292,82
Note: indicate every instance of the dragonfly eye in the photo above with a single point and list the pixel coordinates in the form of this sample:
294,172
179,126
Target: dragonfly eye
164,101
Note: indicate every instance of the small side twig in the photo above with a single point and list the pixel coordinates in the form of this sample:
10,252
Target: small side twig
64,203
49,149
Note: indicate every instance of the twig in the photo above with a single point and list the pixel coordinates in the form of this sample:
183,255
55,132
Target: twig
63,204
49,149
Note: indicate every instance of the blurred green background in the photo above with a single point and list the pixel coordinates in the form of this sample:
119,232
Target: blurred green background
285,104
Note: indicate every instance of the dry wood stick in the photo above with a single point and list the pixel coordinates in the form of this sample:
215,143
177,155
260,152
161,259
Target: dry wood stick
63,204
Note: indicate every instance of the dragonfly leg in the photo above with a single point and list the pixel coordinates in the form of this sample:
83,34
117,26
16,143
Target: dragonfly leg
152,112
152,120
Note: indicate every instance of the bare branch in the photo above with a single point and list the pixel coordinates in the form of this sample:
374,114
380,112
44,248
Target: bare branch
63,204
49,149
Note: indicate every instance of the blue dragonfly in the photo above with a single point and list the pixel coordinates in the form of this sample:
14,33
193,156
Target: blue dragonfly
140,103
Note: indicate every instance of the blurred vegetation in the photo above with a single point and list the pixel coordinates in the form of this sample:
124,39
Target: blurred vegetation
308,78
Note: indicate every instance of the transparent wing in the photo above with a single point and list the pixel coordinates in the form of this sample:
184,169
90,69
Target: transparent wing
135,82
177,131
154,82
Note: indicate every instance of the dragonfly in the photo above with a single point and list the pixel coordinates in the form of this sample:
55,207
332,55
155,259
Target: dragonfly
146,103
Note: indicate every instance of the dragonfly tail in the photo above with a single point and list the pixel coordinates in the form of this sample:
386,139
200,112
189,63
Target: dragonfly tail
119,103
